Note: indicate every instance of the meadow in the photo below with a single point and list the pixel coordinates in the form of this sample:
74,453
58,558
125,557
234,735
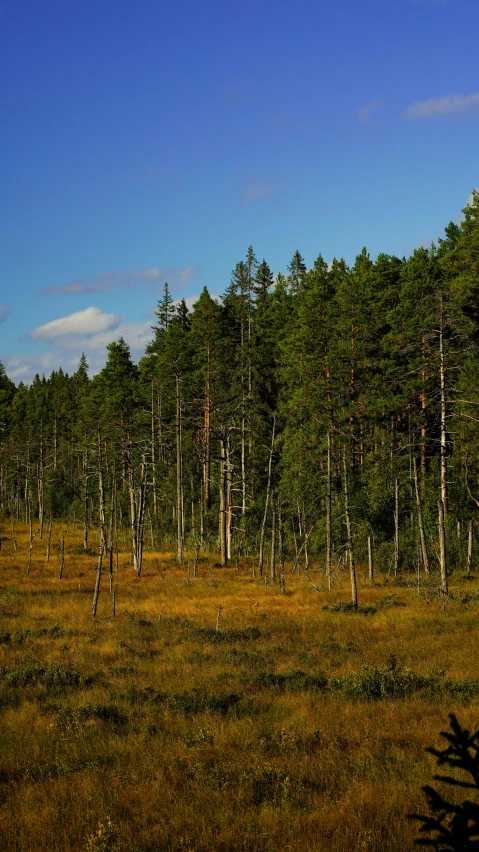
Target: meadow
214,712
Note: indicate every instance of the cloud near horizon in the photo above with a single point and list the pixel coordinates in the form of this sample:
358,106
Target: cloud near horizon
448,105
124,280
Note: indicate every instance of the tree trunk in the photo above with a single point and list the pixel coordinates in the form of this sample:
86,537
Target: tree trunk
442,548
282,583
86,516
229,499
266,503
223,503
328,517
442,377
469,549
179,474
101,490
62,557
420,520
349,537
396,527
272,570
96,593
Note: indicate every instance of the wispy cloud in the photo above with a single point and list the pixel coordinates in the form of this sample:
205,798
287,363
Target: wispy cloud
257,192
124,280
448,105
4,313
368,109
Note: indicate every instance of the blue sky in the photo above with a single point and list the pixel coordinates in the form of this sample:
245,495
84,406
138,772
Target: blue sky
153,140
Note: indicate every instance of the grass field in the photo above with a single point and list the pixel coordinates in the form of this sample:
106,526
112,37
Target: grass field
298,725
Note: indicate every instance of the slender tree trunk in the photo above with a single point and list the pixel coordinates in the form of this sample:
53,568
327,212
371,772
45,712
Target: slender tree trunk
442,548
153,452
273,542
282,583
41,483
266,503
442,377
223,502
62,556
469,549
352,569
207,465
425,557
101,492
328,517
96,593
179,474
229,499
396,527
86,515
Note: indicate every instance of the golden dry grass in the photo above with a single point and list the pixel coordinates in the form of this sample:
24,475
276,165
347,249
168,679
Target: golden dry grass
151,732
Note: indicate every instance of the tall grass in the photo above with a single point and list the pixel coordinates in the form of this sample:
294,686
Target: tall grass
298,725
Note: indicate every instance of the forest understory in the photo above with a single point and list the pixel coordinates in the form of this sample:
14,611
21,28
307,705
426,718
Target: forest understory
217,712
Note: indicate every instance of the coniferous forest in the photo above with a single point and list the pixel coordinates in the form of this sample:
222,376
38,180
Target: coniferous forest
318,413
238,581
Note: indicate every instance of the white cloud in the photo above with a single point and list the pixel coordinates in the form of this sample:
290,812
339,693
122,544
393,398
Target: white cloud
257,191
124,280
367,110
4,313
23,368
89,322
448,105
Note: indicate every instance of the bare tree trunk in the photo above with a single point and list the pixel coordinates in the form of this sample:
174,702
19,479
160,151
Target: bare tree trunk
223,504
328,517
396,527
282,582
41,483
420,520
469,549
62,557
96,593
153,451
352,569
442,377
229,499
179,474
101,491
273,542
86,515
30,544
266,503
442,548
207,464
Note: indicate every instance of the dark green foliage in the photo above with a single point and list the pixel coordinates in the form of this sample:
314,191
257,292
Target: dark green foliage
189,702
51,675
453,826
